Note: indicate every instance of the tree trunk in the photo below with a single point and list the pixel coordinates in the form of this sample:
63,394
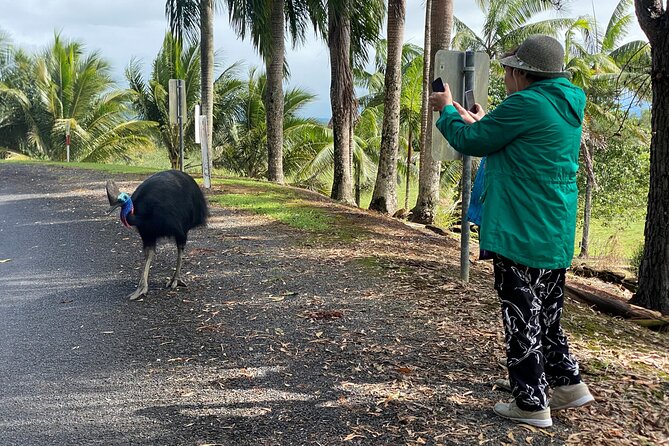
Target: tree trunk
587,211
384,198
207,70
653,290
274,94
408,178
440,27
341,98
587,207
358,175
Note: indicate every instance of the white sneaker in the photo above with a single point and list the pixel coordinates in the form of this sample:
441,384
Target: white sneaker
540,418
575,395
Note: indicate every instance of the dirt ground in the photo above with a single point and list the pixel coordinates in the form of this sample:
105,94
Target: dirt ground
304,339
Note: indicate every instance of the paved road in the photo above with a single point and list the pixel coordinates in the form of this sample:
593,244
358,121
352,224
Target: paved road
79,364
229,361
69,373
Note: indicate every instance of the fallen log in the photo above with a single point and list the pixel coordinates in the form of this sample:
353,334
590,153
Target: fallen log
607,276
610,304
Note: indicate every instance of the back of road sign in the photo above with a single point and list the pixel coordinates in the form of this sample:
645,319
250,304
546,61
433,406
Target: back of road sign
450,65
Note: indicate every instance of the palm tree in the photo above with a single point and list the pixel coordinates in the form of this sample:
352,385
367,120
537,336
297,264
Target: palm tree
40,95
316,169
654,270
341,97
411,114
151,99
242,144
186,18
5,50
384,198
410,99
593,62
507,23
441,23
265,22
352,25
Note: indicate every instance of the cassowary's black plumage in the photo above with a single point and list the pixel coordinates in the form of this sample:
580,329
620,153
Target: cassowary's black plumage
166,205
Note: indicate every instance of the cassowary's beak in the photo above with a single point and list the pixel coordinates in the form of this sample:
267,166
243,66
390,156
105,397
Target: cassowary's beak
111,209
112,195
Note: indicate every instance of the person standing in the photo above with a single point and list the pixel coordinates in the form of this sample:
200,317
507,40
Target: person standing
531,141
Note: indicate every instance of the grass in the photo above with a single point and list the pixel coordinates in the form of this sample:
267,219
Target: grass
279,206
614,242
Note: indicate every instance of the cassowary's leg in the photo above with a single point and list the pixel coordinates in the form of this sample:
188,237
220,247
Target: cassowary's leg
143,287
176,278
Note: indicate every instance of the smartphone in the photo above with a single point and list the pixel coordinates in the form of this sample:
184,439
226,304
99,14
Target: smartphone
470,101
438,85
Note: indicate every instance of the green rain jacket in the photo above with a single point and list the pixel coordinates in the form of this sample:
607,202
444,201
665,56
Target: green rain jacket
532,142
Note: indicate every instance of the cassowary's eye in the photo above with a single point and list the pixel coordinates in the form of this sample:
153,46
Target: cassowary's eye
123,197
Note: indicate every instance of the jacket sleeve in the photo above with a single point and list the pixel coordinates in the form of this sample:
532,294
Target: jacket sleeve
492,133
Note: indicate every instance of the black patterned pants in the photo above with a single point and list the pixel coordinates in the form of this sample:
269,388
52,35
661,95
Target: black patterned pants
536,347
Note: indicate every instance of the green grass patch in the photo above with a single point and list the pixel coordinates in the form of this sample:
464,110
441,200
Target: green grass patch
283,207
613,240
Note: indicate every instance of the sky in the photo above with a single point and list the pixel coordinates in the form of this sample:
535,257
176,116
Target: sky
125,29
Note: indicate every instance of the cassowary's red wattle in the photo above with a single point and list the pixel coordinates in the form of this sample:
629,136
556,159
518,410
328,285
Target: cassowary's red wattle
127,209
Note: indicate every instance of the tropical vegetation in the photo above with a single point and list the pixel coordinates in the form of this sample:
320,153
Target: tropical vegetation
376,147
64,90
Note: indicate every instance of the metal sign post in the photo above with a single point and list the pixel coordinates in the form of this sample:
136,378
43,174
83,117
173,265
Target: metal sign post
462,71
466,177
177,108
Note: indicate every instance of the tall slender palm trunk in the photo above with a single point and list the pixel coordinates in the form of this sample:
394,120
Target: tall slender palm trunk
408,176
274,94
440,25
384,198
207,70
587,206
341,98
653,289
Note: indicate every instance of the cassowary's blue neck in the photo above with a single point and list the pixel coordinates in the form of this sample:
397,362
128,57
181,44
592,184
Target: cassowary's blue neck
127,209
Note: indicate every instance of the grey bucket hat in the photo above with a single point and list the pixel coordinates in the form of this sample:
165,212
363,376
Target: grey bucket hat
539,55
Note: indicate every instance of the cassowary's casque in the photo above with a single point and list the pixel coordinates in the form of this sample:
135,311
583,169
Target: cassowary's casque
167,204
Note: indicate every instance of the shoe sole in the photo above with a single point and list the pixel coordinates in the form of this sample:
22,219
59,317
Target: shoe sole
501,384
581,402
531,421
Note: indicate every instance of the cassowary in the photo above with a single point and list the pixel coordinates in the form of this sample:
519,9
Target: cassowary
167,204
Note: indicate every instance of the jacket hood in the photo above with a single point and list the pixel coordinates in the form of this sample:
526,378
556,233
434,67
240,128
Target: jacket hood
568,99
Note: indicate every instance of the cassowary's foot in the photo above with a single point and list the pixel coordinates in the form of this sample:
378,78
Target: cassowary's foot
176,277
176,282
143,286
139,292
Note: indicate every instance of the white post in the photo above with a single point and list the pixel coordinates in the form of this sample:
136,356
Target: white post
197,124
206,175
67,139
180,120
